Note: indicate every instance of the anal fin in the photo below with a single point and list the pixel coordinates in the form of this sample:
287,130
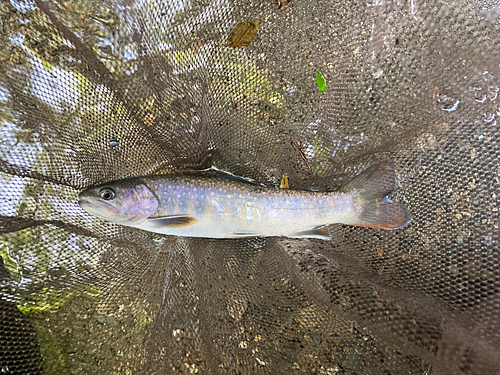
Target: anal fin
242,235
320,233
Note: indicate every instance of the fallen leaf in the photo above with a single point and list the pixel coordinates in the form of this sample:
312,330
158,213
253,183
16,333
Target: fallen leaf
282,4
284,182
434,91
321,82
243,34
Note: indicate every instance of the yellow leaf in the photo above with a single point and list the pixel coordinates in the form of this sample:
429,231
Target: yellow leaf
284,182
243,34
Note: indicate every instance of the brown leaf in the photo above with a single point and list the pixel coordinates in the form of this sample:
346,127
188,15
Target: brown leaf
380,250
243,34
434,91
282,4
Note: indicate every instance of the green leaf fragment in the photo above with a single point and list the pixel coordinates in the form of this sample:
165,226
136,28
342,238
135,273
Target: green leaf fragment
321,82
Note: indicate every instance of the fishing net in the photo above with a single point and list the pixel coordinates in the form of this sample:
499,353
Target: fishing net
92,91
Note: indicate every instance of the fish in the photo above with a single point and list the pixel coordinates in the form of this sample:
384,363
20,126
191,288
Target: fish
216,204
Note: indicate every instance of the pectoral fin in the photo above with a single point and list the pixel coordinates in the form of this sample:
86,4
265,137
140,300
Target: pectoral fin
320,233
174,221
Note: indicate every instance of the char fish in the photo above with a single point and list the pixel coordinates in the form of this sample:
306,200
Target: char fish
214,204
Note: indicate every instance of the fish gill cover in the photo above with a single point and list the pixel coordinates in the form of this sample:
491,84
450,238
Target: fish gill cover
93,91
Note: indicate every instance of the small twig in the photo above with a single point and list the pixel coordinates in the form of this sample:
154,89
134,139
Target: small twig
298,149
95,65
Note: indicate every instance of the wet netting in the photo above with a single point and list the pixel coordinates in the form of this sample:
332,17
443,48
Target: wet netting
92,91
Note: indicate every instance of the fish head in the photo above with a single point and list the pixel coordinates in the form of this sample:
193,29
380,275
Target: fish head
127,202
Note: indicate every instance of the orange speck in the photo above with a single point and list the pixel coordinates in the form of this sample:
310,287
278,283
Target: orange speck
207,207
190,212
169,199
228,210
187,202
178,210
196,203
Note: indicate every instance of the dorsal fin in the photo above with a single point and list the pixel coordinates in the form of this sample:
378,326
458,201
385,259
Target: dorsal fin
216,173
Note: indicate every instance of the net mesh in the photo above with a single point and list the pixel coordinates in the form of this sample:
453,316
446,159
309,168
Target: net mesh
92,91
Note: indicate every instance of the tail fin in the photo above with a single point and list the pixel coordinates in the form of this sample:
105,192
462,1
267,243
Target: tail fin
374,184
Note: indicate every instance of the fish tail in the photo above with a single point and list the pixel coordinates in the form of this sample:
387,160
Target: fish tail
373,185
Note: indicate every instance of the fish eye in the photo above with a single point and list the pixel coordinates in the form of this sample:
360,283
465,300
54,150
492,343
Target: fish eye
107,194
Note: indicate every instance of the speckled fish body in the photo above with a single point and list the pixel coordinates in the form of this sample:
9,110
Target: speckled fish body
225,209
212,206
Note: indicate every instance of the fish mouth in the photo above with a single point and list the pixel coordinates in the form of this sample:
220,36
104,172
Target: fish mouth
84,202
97,208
